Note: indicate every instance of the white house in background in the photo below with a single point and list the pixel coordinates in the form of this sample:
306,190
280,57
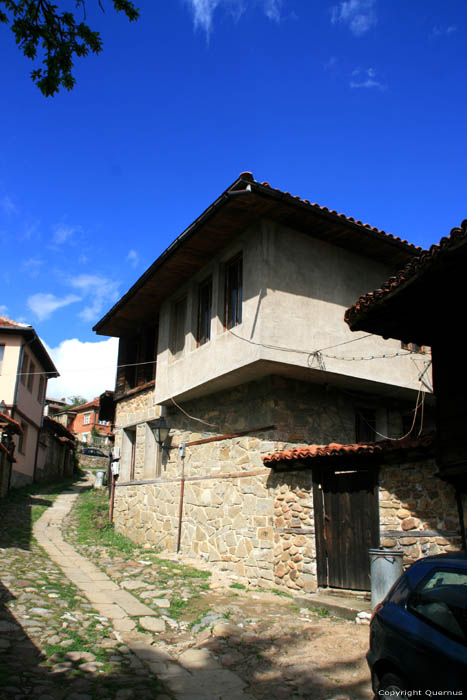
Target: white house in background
25,367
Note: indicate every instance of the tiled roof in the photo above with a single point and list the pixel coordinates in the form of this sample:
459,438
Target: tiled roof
337,451
249,176
414,269
6,322
90,404
7,422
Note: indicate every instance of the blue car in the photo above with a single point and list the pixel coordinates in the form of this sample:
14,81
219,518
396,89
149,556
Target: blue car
418,634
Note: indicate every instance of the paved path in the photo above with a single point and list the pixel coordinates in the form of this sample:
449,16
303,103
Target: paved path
196,675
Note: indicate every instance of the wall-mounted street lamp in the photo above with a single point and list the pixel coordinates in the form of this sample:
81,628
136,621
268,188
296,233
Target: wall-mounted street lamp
160,430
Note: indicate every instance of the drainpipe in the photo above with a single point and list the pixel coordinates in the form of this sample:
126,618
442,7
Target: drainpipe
181,449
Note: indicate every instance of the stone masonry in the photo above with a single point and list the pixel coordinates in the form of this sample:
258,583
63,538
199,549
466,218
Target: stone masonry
236,514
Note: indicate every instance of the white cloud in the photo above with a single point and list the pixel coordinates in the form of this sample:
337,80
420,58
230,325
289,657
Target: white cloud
32,266
133,258
358,15
366,79
43,305
100,292
3,309
7,205
86,369
203,10
443,31
63,233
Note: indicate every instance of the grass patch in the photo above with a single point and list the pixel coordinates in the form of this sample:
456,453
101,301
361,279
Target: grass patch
93,527
283,594
240,586
321,612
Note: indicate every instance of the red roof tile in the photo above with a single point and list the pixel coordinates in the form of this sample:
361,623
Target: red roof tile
414,269
337,450
7,422
333,212
6,322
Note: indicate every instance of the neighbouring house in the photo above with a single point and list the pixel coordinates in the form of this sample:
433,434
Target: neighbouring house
25,367
56,453
54,406
8,429
420,305
235,336
85,422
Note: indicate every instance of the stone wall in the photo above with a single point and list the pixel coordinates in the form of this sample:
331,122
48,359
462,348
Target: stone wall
236,514
414,503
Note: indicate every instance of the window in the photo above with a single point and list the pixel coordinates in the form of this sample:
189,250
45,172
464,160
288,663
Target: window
440,600
41,389
233,292
2,351
24,369
365,425
103,422
178,326
23,438
86,419
204,312
32,369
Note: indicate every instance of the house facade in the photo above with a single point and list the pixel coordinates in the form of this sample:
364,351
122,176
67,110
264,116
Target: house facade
25,367
243,318
420,305
85,424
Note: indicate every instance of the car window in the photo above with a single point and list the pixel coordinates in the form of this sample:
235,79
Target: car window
440,599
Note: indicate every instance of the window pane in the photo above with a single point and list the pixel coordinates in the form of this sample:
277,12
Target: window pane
204,312
2,350
24,370
32,369
178,326
441,601
233,293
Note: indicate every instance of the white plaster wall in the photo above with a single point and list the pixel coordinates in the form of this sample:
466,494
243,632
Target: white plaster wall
310,284
9,367
295,292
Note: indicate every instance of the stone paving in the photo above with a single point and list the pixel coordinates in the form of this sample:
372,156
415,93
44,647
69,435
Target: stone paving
81,634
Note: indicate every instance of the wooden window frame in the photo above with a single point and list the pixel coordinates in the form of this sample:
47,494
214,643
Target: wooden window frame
233,292
178,330
365,422
203,331
31,376
24,369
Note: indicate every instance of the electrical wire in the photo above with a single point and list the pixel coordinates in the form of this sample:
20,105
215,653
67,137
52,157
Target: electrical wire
198,420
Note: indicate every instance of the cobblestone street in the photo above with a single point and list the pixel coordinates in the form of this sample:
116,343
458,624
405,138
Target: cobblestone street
80,622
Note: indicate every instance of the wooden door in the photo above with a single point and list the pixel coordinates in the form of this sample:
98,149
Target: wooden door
347,525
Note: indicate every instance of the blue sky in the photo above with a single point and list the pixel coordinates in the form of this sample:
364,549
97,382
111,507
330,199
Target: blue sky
358,105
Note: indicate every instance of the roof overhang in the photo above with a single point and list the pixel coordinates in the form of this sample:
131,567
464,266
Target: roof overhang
241,205
36,346
418,303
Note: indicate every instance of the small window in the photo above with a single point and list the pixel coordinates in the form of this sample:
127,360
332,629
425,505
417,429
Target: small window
178,326
41,389
23,438
233,293
2,352
32,369
86,419
24,370
365,425
204,312
440,600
